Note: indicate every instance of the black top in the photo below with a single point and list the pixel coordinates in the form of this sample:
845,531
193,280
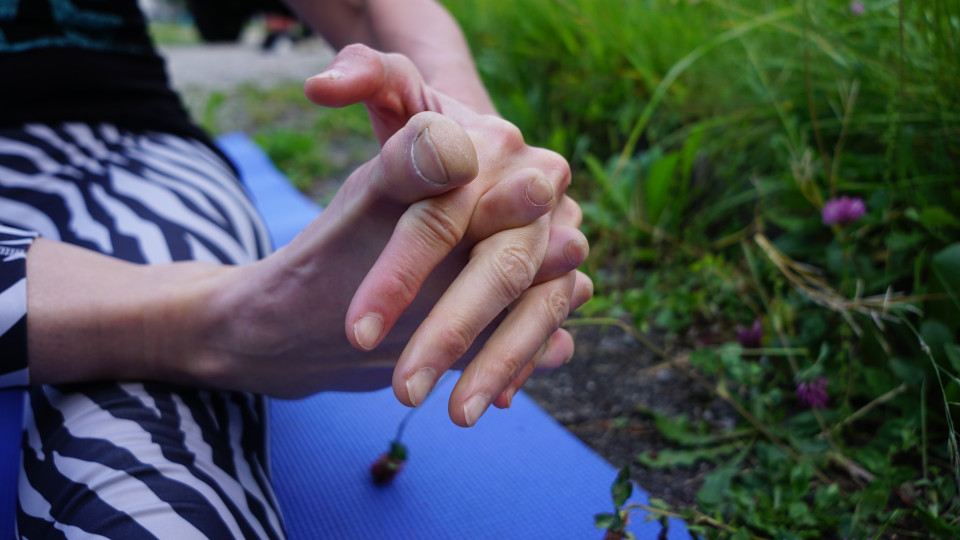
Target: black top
87,61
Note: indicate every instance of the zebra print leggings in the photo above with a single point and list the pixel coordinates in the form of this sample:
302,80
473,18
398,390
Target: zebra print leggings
134,460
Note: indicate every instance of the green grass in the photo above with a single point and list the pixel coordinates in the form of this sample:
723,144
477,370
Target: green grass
705,138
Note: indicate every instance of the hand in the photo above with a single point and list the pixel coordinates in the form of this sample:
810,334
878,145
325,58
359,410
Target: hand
273,326
507,256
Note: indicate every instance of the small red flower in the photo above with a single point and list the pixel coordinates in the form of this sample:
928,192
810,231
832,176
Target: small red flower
389,465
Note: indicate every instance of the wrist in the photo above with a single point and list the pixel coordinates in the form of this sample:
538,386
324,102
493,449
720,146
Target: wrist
91,316
270,327
180,317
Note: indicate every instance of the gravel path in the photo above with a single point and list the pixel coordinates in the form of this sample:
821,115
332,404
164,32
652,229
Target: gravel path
220,67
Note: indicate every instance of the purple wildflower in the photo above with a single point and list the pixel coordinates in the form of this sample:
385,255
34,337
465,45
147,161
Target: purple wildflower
750,338
843,210
813,393
857,8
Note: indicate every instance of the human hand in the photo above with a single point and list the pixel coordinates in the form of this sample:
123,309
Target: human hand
508,247
277,322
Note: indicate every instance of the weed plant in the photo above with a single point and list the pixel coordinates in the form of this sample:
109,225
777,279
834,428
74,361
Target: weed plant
711,143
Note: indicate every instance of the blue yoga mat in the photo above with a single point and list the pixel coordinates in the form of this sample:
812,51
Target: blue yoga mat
11,422
516,474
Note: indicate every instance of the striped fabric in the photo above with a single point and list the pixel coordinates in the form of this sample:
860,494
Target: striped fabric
13,306
130,460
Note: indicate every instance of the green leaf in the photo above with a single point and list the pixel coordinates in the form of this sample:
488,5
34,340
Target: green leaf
827,498
606,521
605,183
901,241
676,429
398,451
906,371
952,351
937,336
684,458
656,186
799,512
935,525
659,503
716,485
934,217
800,476
878,380
688,156
680,430
704,360
872,459
946,265
622,487
873,498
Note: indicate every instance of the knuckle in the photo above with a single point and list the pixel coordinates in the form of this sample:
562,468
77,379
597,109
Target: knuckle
354,47
360,50
557,306
435,226
512,361
514,270
399,60
401,287
556,166
511,135
506,133
454,341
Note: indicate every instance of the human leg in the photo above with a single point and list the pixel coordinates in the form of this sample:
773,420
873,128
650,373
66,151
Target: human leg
127,459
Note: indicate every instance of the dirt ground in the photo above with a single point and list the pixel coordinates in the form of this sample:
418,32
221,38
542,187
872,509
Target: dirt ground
601,395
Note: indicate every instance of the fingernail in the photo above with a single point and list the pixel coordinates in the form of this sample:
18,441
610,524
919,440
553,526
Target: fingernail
419,385
576,252
509,396
474,408
367,330
539,192
330,74
426,159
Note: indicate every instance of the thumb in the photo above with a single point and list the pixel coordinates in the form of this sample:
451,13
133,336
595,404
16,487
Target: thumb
429,156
